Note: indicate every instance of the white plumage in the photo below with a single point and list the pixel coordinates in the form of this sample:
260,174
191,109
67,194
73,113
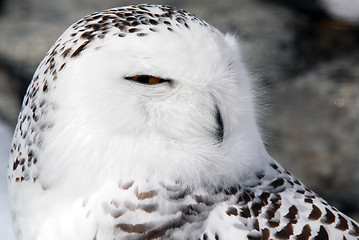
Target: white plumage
140,124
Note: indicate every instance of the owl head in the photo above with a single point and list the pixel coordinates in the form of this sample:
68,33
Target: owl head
144,91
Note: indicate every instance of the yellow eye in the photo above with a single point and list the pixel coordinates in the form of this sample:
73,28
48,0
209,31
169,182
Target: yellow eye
144,79
153,80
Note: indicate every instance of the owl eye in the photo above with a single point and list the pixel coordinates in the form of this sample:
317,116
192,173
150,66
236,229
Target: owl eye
149,80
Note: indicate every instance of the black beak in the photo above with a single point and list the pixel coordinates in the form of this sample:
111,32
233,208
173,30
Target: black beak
219,126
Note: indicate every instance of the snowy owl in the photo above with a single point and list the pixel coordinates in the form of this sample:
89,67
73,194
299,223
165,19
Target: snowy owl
140,123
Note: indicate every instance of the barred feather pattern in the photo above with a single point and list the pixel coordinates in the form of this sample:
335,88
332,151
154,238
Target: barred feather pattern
69,167
273,206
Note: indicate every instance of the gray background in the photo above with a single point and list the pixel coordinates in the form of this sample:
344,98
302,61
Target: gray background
305,62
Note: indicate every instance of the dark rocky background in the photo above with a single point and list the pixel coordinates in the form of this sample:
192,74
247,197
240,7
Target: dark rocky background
306,63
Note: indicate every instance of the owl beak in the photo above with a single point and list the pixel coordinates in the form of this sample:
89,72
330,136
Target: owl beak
219,132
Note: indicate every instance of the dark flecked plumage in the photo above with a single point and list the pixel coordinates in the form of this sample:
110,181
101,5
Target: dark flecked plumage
269,204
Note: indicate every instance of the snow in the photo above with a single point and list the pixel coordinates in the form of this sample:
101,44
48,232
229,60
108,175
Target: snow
347,10
5,142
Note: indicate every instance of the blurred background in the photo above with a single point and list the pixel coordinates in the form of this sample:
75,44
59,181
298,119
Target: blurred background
303,54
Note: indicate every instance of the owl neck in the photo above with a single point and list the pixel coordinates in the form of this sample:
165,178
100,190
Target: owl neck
92,161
